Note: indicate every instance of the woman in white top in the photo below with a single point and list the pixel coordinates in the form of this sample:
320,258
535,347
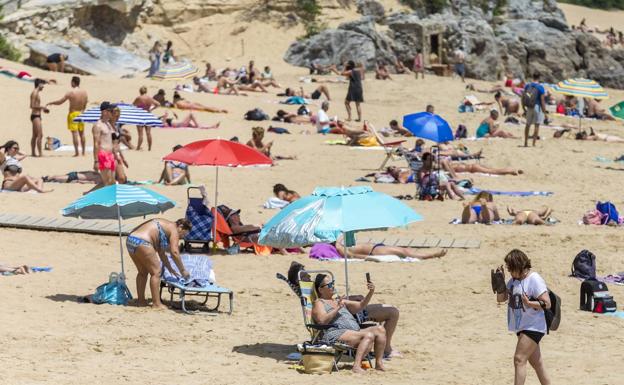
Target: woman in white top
11,169
528,298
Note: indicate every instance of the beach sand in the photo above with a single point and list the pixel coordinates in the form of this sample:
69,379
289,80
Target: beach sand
451,330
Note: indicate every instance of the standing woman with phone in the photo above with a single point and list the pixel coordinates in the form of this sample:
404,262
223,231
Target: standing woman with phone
528,297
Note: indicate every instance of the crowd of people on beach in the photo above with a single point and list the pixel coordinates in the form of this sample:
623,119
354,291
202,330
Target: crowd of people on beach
434,170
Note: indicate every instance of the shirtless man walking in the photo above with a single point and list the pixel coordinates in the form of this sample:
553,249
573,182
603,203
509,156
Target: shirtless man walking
35,118
77,104
147,103
103,156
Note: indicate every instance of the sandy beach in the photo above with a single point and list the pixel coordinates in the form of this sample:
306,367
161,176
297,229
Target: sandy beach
451,330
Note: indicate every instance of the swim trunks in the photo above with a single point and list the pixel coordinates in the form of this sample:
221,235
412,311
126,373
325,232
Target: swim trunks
316,95
72,176
106,161
34,116
74,126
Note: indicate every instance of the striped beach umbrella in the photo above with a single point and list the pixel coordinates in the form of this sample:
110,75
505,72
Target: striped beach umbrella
116,202
584,88
176,71
129,115
618,110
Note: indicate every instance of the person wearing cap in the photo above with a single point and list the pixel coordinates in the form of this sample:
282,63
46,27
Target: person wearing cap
103,156
35,117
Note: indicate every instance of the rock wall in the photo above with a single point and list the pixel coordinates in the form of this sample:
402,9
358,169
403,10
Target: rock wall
529,36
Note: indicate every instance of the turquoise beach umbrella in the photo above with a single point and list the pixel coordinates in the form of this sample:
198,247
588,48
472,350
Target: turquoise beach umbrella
331,211
116,202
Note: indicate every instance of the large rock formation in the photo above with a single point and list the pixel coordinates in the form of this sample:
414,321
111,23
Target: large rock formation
525,37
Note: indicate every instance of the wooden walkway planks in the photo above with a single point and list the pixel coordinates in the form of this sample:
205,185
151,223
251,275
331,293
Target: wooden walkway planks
64,224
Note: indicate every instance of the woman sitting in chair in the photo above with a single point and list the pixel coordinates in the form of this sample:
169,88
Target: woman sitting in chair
345,328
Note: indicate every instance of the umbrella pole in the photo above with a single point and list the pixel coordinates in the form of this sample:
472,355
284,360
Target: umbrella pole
214,224
123,273
346,257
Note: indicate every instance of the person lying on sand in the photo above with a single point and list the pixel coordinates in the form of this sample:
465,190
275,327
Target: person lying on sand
24,269
182,104
175,173
287,117
338,312
75,177
531,217
489,128
315,95
385,314
188,121
147,245
481,210
597,137
364,250
285,194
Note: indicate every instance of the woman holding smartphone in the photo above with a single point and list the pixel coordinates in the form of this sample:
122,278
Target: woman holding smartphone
528,297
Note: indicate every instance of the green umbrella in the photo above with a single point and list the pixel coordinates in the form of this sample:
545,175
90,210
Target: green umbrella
618,110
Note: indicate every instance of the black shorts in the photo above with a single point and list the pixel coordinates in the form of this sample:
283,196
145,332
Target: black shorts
316,95
535,336
54,58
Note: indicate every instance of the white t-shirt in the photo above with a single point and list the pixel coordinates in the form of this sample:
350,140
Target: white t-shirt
528,318
322,120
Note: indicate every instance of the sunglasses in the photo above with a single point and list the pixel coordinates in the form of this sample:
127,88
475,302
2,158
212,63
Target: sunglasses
14,148
329,285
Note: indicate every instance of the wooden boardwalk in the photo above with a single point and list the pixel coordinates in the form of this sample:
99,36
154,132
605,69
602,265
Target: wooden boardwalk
87,226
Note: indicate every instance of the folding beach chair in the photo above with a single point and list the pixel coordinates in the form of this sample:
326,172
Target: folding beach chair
389,147
206,292
307,296
228,238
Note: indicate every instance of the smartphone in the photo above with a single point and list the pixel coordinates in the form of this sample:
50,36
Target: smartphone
368,277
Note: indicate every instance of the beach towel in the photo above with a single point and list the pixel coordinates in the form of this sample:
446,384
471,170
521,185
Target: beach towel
616,279
549,221
390,258
324,251
335,142
33,269
275,203
198,266
617,314
295,100
475,191
70,148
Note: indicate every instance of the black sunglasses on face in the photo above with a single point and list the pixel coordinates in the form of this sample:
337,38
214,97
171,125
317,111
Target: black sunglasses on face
329,285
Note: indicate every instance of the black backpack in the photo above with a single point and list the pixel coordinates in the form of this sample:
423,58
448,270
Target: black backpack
584,265
256,114
529,97
595,297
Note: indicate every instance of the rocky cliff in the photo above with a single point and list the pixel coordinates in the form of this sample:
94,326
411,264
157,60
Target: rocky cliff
521,38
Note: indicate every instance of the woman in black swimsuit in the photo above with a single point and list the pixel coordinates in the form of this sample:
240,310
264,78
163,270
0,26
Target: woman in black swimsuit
364,250
355,92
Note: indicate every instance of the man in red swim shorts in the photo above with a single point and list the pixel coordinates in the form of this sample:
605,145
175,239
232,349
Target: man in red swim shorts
103,157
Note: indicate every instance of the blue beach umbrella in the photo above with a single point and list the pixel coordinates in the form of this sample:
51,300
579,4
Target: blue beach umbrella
428,126
130,114
331,211
116,202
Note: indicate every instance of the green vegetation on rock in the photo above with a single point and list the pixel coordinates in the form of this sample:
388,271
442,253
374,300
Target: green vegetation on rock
7,51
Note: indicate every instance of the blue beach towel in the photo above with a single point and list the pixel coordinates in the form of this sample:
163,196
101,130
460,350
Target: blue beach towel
475,191
295,100
199,266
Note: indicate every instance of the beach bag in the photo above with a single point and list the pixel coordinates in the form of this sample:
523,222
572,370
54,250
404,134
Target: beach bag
256,114
115,292
584,265
369,141
609,212
595,297
303,110
316,361
593,217
553,315
529,96
461,132
52,144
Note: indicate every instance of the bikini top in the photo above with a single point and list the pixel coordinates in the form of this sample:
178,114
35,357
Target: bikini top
179,165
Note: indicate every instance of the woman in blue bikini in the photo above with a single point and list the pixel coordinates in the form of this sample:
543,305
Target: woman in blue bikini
147,245
481,210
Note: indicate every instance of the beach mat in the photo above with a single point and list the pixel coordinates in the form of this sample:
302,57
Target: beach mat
63,224
424,242
475,191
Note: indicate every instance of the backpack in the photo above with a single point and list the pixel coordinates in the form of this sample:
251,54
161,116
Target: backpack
256,114
303,110
553,315
595,297
609,211
584,265
529,96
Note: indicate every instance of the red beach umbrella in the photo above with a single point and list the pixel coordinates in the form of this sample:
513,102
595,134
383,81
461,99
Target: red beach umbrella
218,153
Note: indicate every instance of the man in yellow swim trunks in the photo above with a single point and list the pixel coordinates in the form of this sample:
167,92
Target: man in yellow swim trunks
78,100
